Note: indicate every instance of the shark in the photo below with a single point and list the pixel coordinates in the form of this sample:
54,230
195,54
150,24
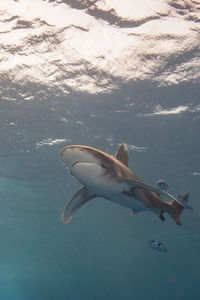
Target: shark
109,177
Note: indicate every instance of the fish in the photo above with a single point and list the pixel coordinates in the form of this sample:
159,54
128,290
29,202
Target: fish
162,184
109,177
156,245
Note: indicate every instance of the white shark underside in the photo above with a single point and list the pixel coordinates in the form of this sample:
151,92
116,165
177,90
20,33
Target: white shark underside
103,175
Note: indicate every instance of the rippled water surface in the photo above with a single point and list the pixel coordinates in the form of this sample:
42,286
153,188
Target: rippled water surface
97,73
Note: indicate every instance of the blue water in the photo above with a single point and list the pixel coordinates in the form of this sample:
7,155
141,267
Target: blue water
103,253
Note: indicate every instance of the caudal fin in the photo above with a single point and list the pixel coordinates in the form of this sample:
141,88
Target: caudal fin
186,197
176,210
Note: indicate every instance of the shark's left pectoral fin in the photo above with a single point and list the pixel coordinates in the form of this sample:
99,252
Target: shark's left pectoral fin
77,201
122,154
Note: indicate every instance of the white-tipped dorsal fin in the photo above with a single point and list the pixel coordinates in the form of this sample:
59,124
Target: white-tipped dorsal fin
122,154
77,201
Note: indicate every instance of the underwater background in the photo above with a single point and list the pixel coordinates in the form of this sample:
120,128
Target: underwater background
97,73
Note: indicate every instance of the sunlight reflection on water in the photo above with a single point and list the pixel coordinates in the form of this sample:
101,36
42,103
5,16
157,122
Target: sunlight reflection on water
76,50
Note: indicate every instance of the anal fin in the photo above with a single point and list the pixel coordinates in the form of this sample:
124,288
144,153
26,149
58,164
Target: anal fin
161,216
134,212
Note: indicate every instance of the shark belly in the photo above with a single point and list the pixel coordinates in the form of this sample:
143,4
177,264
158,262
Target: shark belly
128,201
97,181
94,177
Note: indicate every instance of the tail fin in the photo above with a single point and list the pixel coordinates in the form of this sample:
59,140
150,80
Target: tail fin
176,210
185,197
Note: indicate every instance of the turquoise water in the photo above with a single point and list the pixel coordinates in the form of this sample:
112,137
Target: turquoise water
103,253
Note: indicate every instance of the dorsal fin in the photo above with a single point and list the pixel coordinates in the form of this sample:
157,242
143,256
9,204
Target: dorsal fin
122,154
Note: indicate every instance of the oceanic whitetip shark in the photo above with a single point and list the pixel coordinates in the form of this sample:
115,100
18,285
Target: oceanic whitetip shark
103,175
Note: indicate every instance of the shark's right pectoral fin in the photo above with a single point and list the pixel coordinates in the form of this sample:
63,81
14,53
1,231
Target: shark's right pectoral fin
77,201
175,208
137,184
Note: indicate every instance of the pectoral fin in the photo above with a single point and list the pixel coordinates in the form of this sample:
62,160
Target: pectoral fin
122,154
175,207
77,201
136,184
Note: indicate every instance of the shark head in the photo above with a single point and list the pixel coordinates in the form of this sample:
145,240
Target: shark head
72,155
90,166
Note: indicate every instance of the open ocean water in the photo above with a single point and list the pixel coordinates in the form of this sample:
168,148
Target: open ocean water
97,73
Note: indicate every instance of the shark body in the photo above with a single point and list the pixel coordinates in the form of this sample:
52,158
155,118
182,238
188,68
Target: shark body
103,175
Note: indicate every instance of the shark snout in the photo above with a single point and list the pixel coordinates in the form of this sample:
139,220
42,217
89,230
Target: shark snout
62,151
75,154
70,156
